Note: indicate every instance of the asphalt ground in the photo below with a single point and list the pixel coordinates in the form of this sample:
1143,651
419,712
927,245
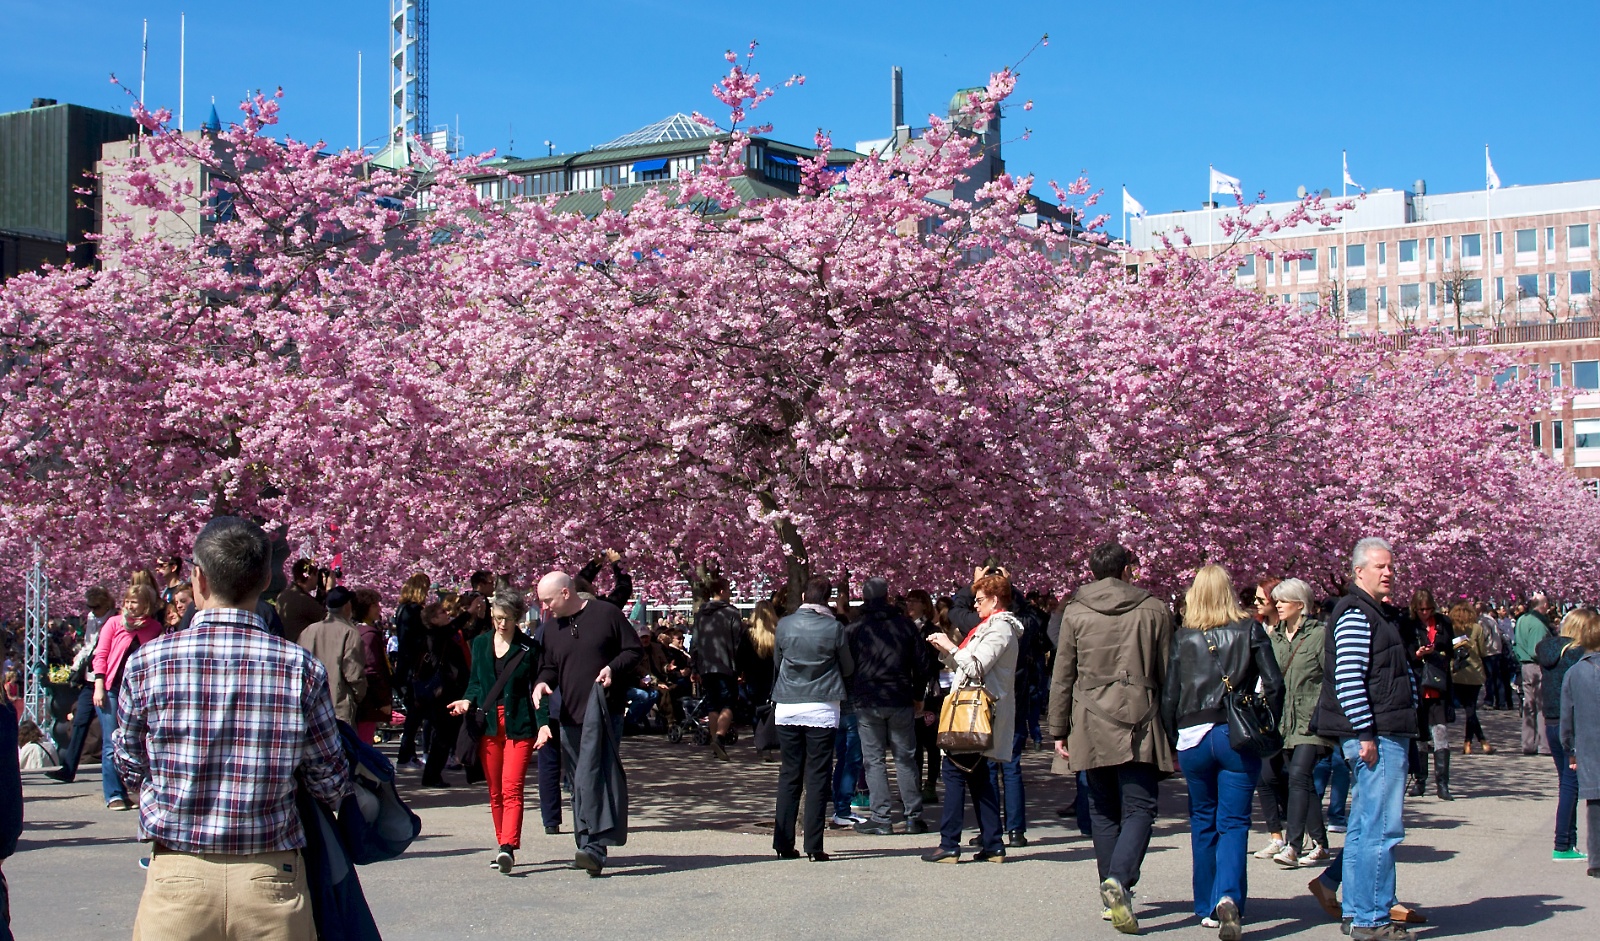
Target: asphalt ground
699,865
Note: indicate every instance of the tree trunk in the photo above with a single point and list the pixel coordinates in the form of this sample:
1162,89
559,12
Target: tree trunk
797,563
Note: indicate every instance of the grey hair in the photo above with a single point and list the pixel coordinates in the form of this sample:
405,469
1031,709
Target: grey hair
509,602
236,558
1358,555
1293,589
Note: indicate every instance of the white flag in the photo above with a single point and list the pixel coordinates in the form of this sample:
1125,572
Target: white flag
1223,183
1491,179
1347,180
1131,206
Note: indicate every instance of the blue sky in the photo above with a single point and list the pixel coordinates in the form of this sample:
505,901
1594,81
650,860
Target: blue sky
1145,94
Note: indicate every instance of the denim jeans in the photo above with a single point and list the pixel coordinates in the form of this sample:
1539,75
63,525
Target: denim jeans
639,703
1376,828
110,781
1221,783
1335,772
1567,799
980,783
846,764
1015,805
895,729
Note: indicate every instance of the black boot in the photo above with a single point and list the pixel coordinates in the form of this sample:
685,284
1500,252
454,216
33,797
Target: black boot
1419,774
1441,760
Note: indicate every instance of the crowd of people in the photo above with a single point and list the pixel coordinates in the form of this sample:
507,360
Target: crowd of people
1325,712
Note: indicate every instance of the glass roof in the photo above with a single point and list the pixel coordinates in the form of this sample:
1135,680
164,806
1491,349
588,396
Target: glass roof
677,127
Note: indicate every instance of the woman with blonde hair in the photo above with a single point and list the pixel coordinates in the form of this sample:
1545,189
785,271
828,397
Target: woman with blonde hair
135,626
1467,673
1556,656
1221,648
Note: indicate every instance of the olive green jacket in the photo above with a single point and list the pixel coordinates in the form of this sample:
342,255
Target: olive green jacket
1302,661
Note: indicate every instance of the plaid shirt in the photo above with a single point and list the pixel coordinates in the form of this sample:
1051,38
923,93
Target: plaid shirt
216,723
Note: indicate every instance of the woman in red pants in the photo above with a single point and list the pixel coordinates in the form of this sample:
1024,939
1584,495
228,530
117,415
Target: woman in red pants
514,730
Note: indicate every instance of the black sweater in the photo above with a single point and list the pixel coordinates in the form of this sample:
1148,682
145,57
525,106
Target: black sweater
577,648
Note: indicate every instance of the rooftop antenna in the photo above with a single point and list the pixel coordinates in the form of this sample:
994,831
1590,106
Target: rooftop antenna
408,73
511,139
361,142
550,149
144,57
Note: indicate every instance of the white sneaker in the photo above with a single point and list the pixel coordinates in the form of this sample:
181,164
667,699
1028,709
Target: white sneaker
1337,828
842,822
1206,922
1318,854
1273,848
1288,858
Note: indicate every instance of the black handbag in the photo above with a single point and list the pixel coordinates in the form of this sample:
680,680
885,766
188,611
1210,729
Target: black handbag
1251,728
1434,676
765,733
475,724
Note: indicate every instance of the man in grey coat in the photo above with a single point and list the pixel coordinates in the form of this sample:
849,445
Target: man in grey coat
336,642
1580,735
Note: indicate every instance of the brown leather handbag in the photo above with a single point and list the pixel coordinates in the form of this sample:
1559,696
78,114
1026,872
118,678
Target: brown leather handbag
966,721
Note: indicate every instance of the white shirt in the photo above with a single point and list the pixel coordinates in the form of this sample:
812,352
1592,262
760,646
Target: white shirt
817,715
1193,735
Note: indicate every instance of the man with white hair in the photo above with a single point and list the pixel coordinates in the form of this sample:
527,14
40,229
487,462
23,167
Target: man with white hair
1368,704
589,642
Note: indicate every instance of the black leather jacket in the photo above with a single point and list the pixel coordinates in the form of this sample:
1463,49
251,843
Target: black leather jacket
1194,690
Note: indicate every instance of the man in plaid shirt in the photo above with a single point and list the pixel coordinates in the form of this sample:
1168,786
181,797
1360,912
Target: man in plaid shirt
219,724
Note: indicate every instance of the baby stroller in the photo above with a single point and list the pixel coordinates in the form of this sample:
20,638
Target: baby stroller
694,722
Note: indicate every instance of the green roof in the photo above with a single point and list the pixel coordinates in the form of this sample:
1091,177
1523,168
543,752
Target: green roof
591,158
588,202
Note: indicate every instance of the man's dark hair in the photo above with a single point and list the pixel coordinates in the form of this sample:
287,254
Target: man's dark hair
236,558
875,590
303,568
481,577
715,586
817,591
1109,560
339,597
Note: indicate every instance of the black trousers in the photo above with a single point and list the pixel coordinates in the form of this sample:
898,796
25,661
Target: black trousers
82,714
1305,807
1273,790
807,755
445,729
550,780
1122,812
409,733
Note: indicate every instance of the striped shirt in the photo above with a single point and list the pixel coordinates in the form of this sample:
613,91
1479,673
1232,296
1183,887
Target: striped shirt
1352,655
219,724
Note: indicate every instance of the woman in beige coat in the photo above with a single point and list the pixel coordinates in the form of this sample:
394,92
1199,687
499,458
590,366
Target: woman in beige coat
986,657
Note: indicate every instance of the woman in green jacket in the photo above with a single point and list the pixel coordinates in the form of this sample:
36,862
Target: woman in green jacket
1298,642
515,729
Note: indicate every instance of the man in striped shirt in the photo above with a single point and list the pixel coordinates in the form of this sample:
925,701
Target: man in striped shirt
1368,704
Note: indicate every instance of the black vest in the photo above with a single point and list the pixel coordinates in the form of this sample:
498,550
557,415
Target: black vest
1388,676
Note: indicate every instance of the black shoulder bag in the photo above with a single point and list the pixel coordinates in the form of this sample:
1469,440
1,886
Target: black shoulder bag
1251,728
475,724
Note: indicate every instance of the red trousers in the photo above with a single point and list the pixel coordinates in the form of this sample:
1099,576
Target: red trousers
505,764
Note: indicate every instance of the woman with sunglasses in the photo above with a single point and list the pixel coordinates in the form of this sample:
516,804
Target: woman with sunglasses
1298,645
1272,788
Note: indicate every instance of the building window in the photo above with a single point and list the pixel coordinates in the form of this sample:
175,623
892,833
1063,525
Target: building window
1586,433
1355,256
1447,240
1383,300
1471,246
1270,263
1410,295
1499,243
1383,253
1309,262
1472,291
1557,430
1555,375
1500,289
1408,251
1247,267
1538,436
1308,301
1527,286
1433,294
1527,240
1550,286
1550,238
1430,250
1578,283
1358,300
1577,236
1586,374
1504,376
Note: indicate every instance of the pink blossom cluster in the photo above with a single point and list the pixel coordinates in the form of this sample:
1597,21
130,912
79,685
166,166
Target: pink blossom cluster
860,379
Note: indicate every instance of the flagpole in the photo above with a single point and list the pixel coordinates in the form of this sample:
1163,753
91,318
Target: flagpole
1211,248
1488,237
1343,284
1125,216
183,36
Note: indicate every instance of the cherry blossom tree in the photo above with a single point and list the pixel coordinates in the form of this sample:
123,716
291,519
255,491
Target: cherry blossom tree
873,377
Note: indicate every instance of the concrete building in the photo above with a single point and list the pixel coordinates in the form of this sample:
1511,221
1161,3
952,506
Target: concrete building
1515,268
47,152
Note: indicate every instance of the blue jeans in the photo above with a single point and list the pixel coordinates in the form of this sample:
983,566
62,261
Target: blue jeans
1376,828
110,781
1333,775
1567,801
980,783
1221,784
1015,819
846,764
639,703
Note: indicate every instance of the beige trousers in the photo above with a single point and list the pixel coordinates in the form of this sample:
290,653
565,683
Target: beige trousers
215,897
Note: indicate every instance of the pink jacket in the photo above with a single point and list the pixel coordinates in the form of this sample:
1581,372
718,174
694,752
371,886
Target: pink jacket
116,642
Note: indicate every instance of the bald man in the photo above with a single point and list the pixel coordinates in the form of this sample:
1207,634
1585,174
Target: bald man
589,642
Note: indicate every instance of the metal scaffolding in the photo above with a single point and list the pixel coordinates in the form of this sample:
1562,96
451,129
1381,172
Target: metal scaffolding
36,644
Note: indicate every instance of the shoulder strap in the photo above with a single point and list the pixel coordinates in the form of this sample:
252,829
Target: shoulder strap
1211,646
500,682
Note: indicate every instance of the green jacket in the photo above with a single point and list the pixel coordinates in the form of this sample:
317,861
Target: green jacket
1302,663
522,721
1531,629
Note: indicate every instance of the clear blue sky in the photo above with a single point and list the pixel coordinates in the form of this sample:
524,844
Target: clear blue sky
1145,94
